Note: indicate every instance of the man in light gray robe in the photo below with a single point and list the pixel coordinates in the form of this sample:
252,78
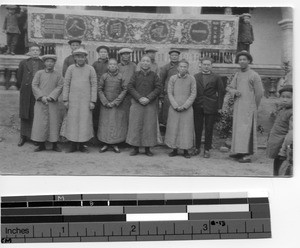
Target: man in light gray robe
47,85
247,90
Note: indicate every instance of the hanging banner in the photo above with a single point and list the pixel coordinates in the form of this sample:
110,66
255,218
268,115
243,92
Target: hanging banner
138,30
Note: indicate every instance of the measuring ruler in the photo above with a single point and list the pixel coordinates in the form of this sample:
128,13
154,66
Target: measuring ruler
134,217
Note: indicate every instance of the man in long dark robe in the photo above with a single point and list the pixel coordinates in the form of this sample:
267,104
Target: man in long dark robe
100,67
25,74
166,72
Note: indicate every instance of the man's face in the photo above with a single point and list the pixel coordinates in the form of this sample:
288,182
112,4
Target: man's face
246,19
49,64
206,65
174,57
103,54
151,54
11,11
35,51
145,63
286,98
75,45
183,68
125,56
243,61
80,59
112,65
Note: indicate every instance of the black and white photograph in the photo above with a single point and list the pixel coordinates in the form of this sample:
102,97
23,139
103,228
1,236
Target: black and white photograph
146,91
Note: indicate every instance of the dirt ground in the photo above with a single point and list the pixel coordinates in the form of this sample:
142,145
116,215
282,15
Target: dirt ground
23,161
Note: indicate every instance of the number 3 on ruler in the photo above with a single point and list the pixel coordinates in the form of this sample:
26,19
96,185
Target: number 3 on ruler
205,227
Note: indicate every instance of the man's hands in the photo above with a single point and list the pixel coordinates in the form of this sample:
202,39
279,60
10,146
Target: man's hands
110,105
44,100
237,94
180,109
144,101
92,105
66,104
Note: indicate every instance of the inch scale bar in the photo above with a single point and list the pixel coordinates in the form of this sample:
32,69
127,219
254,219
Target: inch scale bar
187,218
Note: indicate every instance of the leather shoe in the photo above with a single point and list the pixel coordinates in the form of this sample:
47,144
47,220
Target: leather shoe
245,159
149,153
22,141
196,152
56,149
134,152
236,155
82,148
40,148
173,153
73,148
116,149
186,154
103,149
206,154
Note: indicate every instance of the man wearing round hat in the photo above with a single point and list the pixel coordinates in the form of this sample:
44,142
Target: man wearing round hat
26,71
166,72
79,96
245,36
47,85
100,67
127,69
74,44
247,90
150,51
11,28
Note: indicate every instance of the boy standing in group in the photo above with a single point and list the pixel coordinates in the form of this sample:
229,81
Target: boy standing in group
47,85
11,28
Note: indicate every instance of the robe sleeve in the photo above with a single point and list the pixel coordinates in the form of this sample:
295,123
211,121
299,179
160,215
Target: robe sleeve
258,89
131,88
157,88
36,86
231,88
5,24
122,95
65,66
171,82
58,89
67,83
193,94
102,96
20,74
93,82
221,92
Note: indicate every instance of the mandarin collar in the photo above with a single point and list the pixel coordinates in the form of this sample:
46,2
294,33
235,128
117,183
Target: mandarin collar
184,76
49,71
113,73
145,72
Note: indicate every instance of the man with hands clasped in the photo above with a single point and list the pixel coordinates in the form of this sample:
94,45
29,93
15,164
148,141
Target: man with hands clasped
47,86
144,88
180,126
79,96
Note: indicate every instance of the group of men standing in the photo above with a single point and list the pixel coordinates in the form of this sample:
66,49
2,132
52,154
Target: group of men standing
120,102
